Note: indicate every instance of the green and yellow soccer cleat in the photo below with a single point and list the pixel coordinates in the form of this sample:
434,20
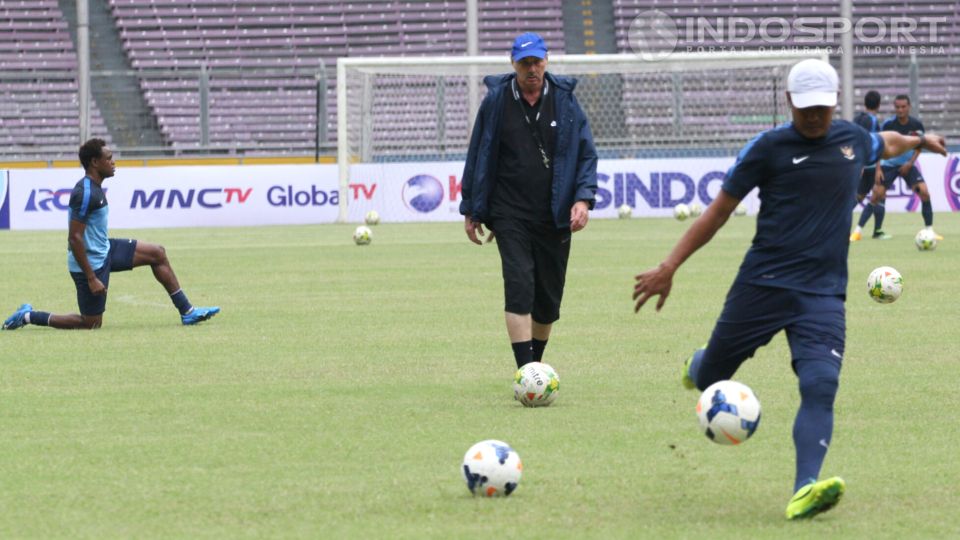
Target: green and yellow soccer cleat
815,498
685,379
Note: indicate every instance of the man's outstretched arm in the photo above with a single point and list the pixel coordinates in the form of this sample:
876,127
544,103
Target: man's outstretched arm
659,280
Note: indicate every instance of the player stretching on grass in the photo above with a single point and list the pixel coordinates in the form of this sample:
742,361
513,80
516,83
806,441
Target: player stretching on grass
794,276
91,256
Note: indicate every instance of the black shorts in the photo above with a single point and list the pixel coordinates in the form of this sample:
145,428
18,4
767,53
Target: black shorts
534,259
891,173
119,258
867,180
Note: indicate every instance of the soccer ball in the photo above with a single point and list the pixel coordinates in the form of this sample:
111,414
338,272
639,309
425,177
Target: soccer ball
624,211
926,240
536,385
885,285
729,412
681,211
696,209
741,210
492,469
363,235
372,217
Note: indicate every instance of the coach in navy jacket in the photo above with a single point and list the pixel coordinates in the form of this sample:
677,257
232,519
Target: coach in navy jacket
530,177
575,171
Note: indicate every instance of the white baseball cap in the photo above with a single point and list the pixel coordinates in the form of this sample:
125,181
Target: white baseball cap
813,83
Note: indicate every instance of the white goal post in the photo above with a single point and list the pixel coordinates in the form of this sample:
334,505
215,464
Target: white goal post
422,108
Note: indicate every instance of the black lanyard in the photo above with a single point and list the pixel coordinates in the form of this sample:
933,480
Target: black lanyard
534,125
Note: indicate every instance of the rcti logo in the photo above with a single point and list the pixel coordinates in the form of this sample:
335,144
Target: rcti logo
951,179
422,193
47,200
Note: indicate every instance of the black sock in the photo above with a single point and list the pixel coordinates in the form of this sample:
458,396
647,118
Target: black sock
865,216
879,211
180,300
538,347
926,209
40,318
522,352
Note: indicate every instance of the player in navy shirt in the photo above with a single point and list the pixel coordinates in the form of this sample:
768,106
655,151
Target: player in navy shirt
794,276
904,164
92,256
869,119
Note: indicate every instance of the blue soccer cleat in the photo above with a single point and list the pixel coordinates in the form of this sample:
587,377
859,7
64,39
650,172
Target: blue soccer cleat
16,320
199,314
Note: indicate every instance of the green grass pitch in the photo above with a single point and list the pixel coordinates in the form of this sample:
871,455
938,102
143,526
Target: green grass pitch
336,393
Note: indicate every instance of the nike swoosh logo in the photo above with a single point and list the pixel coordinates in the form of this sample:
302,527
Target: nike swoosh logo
798,160
835,353
525,44
823,443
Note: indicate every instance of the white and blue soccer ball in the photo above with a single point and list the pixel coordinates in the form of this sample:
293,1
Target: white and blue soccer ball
372,217
681,211
624,211
926,240
885,284
729,412
492,469
536,385
362,235
696,209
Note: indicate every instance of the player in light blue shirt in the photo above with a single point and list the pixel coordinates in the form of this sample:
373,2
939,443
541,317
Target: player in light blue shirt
92,256
794,276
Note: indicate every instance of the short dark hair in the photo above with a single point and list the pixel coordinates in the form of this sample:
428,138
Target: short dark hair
872,100
91,150
903,97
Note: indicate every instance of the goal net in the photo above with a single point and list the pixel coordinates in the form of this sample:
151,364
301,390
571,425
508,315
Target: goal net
689,104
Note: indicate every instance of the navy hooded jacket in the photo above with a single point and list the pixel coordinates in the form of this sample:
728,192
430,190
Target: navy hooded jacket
574,163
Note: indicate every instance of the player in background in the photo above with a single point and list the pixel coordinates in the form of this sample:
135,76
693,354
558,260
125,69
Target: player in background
806,171
903,166
869,119
92,256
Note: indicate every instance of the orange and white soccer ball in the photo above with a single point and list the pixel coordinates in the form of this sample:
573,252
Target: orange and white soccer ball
729,412
492,469
536,385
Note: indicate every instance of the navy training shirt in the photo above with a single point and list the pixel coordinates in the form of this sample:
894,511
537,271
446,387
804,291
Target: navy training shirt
871,123
807,194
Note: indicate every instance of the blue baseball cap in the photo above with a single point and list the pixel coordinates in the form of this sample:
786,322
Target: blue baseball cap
528,44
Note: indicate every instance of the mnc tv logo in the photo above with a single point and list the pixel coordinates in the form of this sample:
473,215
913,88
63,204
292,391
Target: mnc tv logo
205,198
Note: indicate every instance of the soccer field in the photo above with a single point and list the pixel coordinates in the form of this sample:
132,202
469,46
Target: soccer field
335,395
